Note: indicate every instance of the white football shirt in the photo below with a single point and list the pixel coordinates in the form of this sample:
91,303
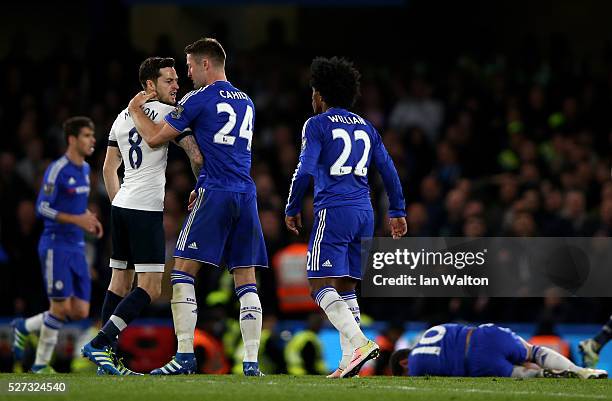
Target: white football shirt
144,181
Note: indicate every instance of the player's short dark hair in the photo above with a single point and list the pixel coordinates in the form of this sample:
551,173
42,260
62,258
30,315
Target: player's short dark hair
395,361
208,47
73,125
149,69
336,79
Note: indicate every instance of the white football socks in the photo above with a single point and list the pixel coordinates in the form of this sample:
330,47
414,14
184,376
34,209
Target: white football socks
340,316
549,359
48,338
347,349
250,320
184,310
34,323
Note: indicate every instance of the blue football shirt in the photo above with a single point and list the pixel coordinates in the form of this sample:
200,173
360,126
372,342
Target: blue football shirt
440,352
65,189
338,147
222,118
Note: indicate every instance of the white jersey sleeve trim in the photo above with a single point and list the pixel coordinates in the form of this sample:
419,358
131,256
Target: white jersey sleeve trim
56,169
47,211
190,94
299,163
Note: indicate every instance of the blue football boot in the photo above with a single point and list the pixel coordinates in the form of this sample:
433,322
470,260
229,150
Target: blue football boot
102,357
181,364
251,369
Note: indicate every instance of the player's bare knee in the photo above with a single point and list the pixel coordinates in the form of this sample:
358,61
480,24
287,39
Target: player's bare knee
78,309
153,290
190,267
345,284
317,283
60,308
121,282
79,313
119,289
151,283
243,276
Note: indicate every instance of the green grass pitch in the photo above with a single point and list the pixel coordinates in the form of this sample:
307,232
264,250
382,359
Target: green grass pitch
312,388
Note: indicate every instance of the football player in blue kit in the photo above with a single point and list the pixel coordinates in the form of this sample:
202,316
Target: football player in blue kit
485,350
337,149
62,203
223,224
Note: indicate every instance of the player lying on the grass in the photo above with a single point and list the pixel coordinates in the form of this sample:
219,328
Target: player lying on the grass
591,347
485,350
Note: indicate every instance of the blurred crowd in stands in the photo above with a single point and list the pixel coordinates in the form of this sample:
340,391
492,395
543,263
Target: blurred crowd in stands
503,145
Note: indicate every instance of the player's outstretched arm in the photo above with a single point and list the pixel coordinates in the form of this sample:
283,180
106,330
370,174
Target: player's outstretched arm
109,171
153,134
191,148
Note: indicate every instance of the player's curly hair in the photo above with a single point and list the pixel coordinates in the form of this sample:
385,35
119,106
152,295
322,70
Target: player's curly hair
336,79
395,361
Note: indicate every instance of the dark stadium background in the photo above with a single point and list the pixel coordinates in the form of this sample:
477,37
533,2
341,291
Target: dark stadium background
498,116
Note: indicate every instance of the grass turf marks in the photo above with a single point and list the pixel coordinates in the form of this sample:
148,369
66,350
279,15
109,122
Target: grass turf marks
315,388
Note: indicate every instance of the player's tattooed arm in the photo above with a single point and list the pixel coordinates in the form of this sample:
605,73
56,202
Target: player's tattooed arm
109,171
153,134
191,148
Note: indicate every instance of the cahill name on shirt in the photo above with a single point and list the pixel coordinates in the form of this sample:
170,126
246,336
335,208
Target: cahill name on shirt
233,95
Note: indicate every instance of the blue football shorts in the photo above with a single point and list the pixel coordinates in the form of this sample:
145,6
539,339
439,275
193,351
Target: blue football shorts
223,226
334,249
65,271
494,351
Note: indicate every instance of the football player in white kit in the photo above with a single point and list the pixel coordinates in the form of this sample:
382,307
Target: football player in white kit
137,212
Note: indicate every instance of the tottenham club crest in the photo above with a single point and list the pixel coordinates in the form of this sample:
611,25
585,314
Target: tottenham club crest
176,113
